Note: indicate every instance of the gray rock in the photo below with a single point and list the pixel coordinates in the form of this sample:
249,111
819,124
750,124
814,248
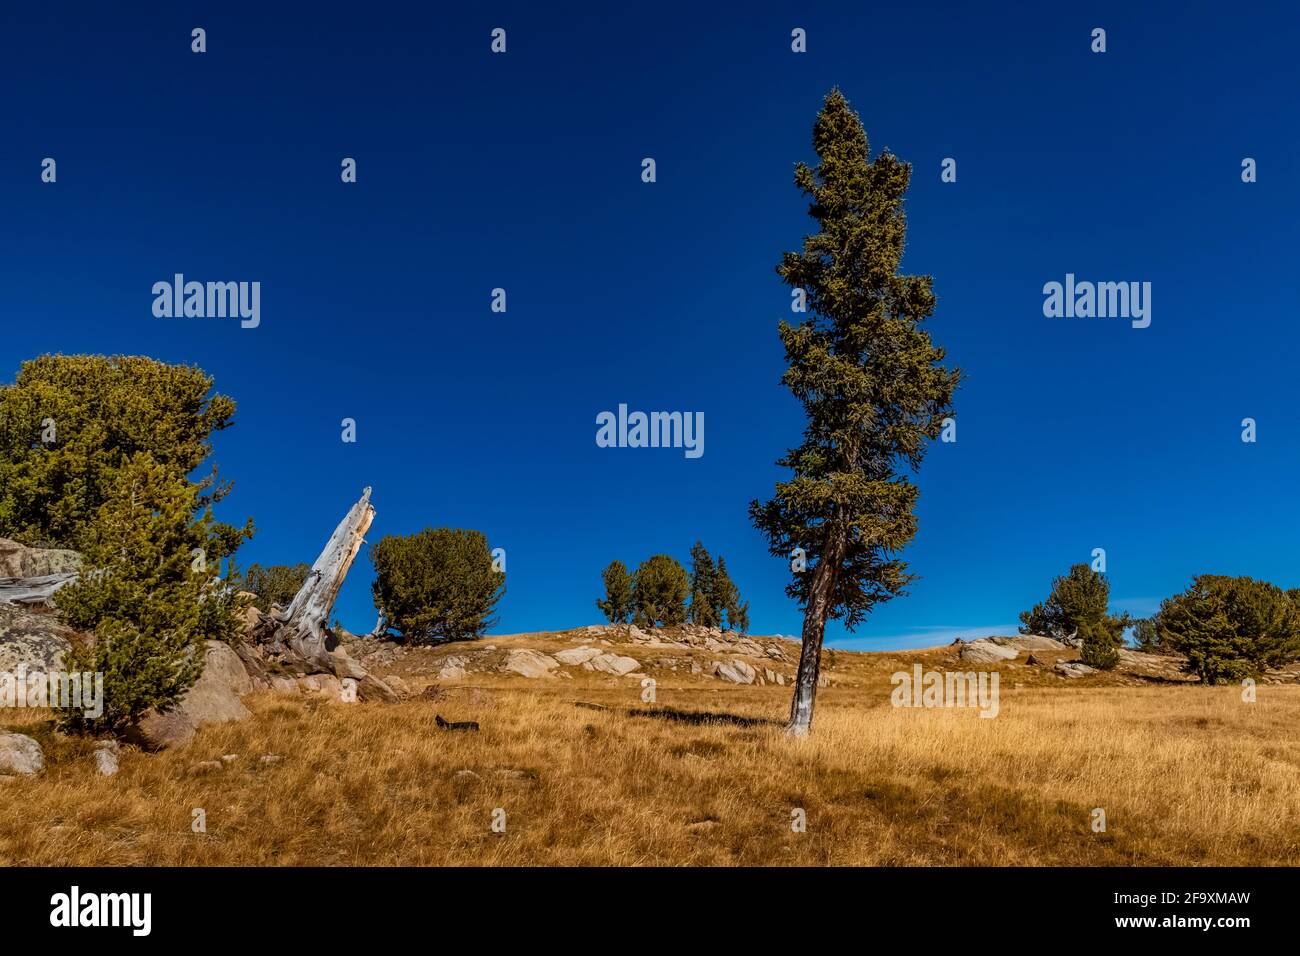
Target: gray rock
19,561
576,655
985,651
19,754
31,639
1027,642
737,672
1073,668
214,699
399,686
614,664
529,663
106,762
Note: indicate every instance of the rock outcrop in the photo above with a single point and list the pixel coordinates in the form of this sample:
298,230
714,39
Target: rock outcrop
528,663
214,699
19,561
985,651
31,639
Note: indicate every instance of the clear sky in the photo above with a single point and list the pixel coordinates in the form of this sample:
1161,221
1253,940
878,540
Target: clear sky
523,171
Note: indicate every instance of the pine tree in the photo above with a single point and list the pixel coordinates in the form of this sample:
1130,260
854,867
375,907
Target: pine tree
659,590
1231,628
872,389
70,423
617,604
724,597
1077,608
703,610
275,584
151,594
738,618
439,584
1076,599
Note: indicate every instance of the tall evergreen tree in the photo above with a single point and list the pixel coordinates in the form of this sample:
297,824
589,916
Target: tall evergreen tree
871,384
724,596
659,590
703,611
617,603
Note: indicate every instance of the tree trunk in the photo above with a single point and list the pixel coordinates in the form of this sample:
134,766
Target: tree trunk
814,630
301,628
37,590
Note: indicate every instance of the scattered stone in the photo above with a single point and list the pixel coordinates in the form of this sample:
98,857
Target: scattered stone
207,766
285,685
576,655
20,755
322,685
1073,668
613,664
529,663
453,668
737,672
466,776
106,761
228,759
399,686
270,760
1031,660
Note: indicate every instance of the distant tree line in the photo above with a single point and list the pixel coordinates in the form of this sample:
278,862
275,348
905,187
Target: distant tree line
657,593
1228,628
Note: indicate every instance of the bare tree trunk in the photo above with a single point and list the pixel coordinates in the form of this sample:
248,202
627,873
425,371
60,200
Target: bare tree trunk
302,626
37,590
814,631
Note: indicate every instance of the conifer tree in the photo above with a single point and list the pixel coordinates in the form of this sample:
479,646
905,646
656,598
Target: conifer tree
872,386
659,590
703,610
617,603
725,598
1231,628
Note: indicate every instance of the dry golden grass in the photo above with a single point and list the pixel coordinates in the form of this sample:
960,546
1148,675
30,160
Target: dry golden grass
1186,775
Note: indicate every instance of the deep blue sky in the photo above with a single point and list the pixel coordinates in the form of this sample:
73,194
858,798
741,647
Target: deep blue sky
523,171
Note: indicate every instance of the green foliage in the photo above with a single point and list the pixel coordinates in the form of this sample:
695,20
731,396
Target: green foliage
738,618
1077,607
95,455
104,413
275,584
150,593
659,590
870,380
617,604
1147,636
724,596
438,584
704,609
1080,596
1102,638
1230,628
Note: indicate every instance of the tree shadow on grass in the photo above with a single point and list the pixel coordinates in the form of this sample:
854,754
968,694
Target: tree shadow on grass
698,718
